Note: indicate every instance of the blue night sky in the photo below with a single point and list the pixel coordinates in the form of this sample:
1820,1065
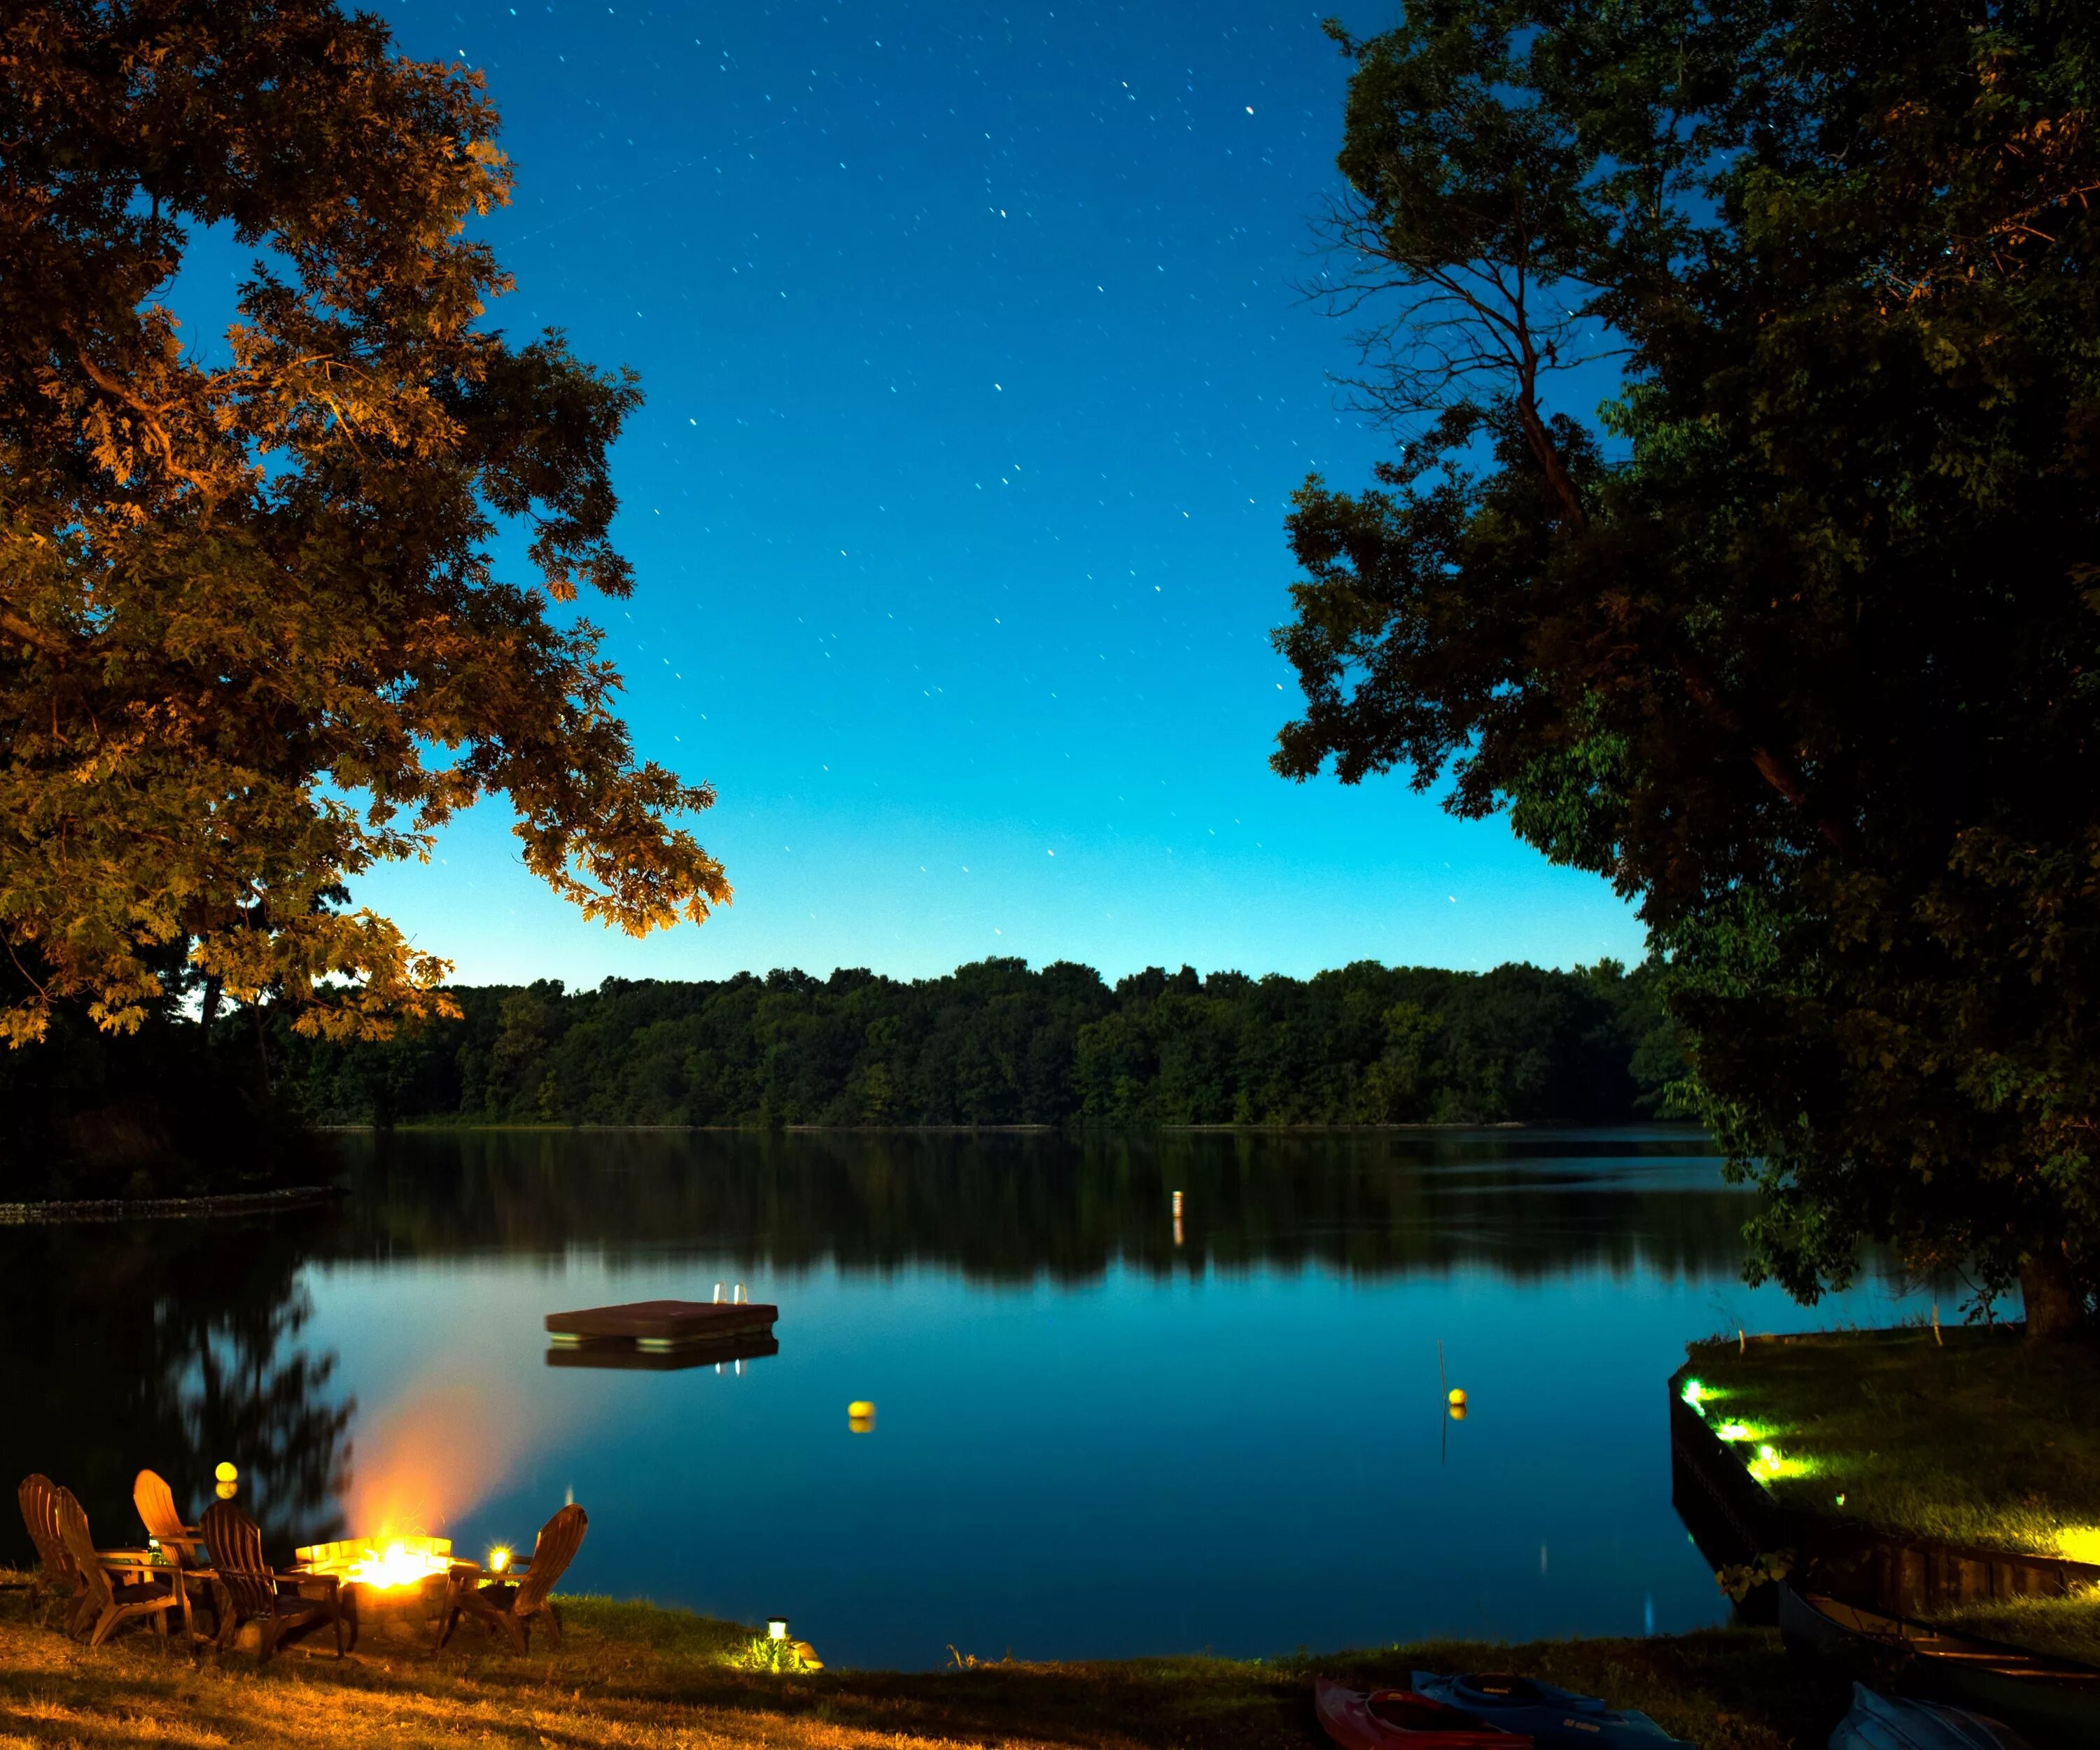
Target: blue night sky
977,386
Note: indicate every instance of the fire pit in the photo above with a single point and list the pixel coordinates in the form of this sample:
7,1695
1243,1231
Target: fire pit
390,1584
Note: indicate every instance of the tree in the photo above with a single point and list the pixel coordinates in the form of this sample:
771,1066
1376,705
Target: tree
252,638
1795,642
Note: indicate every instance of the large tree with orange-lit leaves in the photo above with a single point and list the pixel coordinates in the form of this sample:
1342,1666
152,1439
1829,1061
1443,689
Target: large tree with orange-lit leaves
252,639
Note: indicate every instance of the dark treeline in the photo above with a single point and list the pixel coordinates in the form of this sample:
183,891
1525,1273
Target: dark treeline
996,1043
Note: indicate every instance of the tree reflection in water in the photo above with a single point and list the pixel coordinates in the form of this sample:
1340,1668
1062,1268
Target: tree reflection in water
1012,1207
171,1345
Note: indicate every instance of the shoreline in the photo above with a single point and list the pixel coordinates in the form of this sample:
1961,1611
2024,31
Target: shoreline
641,1676
66,1210
447,1126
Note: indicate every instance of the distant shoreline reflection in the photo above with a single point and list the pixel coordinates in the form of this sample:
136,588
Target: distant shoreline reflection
1010,1206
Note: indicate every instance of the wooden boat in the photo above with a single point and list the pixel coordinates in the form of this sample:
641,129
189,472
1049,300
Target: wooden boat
1399,1719
1553,1718
661,1326
2054,1701
1888,1723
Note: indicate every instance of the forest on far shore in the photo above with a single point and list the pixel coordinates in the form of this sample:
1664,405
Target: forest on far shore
995,1043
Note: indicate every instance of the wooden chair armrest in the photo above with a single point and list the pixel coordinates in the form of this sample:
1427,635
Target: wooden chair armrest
299,1575
146,1570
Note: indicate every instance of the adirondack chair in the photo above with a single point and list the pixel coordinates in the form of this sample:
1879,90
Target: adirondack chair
121,1584
58,1575
249,1586
512,1601
156,1502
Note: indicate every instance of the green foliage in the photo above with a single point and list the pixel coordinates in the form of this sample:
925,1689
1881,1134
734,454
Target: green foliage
1739,1580
995,1043
1797,649
762,1653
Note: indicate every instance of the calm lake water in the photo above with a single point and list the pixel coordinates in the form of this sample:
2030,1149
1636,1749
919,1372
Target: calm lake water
1092,1437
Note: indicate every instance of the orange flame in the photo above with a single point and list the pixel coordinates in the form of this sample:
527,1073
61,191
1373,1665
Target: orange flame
400,1566
439,1448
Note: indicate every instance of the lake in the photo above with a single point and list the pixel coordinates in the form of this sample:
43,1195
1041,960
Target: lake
1094,1435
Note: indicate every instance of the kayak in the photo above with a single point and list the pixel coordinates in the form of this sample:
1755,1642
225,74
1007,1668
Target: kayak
2050,1701
1554,1719
1399,1719
1889,1722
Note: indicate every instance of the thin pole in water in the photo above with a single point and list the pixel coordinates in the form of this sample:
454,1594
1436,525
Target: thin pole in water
1439,1366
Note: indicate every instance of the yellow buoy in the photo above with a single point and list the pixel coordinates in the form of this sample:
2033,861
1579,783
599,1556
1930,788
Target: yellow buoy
1458,1412
860,1416
226,1473
1457,1399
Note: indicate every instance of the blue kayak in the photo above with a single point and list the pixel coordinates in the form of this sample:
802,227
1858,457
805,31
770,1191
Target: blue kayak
1889,1722
1553,1719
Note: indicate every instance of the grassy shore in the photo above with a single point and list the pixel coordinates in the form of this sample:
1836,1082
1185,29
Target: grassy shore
643,1678
1974,1436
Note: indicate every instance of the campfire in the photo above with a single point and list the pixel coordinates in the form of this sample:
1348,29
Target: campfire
380,1564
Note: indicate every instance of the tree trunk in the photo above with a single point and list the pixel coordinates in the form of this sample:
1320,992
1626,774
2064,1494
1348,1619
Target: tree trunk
2055,1303
261,1047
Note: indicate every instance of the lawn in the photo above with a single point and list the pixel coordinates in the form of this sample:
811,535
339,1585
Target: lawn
1975,1436
631,1675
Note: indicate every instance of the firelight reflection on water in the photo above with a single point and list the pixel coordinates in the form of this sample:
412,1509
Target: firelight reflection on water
1090,1439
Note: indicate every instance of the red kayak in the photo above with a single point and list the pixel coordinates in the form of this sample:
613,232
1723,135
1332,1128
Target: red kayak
1399,1719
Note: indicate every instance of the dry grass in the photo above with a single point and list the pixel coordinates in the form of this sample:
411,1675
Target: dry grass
634,1676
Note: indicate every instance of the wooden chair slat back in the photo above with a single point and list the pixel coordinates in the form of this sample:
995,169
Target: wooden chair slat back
555,1547
38,1495
156,1502
80,1545
236,1543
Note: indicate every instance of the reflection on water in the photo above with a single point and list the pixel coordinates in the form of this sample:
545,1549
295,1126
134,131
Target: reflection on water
1101,1430
169,1345
1015,1207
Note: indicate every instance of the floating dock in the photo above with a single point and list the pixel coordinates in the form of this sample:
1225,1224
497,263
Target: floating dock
739,1346
660,1327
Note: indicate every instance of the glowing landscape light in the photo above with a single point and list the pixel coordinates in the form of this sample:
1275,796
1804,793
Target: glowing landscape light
2079,1543
1736,1431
